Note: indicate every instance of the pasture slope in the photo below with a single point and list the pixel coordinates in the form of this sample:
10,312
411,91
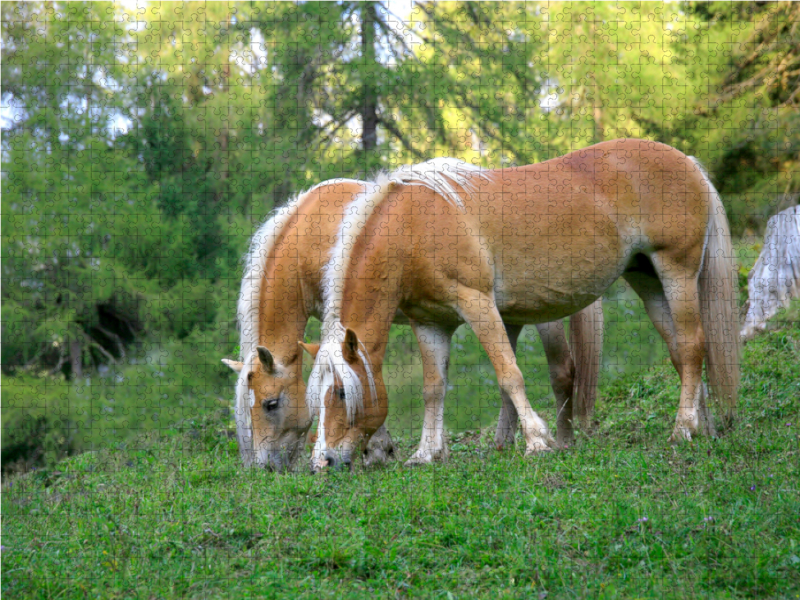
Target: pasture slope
620,515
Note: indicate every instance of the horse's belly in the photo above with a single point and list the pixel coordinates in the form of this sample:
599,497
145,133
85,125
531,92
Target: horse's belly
548,294
430,311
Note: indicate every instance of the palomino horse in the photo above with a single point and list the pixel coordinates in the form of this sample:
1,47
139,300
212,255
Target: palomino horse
281,290
526,245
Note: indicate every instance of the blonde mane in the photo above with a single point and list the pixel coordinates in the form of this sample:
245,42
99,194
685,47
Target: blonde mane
441,175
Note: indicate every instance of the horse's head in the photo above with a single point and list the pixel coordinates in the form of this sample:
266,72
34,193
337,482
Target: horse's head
350,398
272,417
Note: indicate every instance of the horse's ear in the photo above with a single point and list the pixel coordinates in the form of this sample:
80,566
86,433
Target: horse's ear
312,349
233,364
266,359
350,346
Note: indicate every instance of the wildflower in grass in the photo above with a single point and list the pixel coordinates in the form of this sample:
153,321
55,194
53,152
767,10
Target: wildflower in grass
642,520
753,488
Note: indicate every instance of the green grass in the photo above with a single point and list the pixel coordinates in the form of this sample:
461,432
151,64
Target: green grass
620,515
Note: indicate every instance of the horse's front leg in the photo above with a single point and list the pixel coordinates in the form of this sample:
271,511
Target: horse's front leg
434,345
480,311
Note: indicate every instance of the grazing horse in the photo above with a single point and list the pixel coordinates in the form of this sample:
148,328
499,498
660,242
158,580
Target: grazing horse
281,290
523,245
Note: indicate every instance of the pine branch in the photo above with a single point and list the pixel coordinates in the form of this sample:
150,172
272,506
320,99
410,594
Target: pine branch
396,133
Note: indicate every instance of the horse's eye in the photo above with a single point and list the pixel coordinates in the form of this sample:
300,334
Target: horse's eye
270,404
342,395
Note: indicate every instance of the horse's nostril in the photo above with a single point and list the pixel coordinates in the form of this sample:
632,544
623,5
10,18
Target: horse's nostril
338,462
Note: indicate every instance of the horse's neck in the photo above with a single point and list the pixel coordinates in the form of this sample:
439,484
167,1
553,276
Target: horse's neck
370,310
372,294
282,316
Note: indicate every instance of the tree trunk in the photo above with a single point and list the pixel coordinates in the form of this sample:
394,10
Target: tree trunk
76,358
775,278
369,109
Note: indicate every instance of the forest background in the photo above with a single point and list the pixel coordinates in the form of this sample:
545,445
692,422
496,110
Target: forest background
143,145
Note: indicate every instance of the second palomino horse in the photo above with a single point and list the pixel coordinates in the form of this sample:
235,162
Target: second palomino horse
528,245
281,290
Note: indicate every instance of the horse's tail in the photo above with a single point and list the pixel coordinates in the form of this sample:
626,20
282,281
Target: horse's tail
586,344
719,305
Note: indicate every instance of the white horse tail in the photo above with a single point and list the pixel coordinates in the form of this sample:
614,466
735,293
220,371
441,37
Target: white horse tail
586,345
719,304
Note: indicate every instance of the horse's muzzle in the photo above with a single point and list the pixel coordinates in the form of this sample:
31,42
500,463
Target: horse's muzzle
339,461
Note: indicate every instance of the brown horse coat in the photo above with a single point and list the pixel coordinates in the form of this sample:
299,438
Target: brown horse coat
528,245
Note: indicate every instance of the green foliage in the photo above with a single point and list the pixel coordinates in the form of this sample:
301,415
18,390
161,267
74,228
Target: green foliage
137,160
45,419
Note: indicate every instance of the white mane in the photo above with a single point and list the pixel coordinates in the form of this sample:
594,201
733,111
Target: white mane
261,245
441,175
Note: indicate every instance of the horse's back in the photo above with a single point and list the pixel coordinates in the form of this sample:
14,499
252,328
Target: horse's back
623,194
550,238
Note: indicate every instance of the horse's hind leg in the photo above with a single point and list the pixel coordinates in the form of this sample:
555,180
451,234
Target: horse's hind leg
648,287
480,311
434,345
679,283
646,284
562,377
507,421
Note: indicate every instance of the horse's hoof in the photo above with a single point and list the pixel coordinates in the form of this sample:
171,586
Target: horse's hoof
426,458
378,456
418,461
502,442
680,435
565,443
538,449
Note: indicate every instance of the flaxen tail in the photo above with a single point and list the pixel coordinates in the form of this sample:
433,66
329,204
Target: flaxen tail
719,305
586,345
